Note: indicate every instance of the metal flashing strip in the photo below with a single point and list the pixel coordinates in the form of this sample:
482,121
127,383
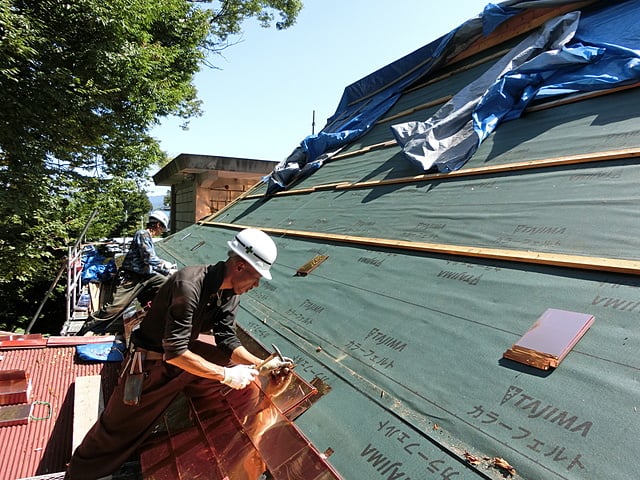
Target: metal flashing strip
31,340
311,265
580,262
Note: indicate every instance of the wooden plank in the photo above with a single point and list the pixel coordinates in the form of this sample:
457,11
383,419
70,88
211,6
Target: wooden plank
524,22
580,262
507,167
579,97
87,406
94,293
367,149
535,108
417,108
492,169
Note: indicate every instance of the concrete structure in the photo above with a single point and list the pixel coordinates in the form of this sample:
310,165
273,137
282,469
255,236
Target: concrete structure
203,184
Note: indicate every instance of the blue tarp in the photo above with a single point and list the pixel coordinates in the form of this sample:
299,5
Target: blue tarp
95,267
579,52
362,104
604,53
102,352
447,139
600,52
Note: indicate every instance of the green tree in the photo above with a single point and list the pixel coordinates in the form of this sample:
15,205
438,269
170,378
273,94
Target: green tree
82,82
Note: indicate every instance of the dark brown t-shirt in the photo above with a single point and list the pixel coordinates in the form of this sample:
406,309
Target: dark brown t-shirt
187,305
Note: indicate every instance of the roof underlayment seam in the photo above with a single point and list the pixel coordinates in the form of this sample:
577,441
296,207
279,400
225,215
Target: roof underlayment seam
518,256
487,170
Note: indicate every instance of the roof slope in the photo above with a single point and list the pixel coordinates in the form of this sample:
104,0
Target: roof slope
431,276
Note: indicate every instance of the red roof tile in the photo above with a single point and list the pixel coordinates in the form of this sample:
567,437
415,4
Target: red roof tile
44,445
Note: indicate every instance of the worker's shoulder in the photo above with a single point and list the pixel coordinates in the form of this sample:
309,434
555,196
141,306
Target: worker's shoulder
192,272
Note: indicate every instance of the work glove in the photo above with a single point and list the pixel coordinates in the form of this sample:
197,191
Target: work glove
239,376
275,366
170,268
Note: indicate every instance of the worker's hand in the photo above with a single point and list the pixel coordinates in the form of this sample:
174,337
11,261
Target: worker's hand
277,384
239,376
170,268
275,366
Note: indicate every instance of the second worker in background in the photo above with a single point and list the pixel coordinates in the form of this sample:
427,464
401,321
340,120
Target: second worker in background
141,275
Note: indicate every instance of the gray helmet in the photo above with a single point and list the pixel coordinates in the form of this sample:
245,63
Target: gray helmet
161,217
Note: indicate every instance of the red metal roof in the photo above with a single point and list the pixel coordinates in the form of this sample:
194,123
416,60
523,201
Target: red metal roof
44,446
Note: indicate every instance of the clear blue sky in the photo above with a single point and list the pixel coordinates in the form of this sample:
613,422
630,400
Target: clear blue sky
260,102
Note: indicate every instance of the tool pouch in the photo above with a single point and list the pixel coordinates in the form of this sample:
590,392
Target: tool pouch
134,380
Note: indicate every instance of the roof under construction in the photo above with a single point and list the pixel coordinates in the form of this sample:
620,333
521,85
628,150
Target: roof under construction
456,196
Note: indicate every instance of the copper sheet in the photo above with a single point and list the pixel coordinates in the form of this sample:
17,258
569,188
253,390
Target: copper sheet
550,338
246,436
190,457
33,340
157,462
15,387
288,393
15,414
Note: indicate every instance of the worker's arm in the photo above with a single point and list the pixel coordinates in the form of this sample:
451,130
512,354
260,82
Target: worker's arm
242,355
236,377
196,365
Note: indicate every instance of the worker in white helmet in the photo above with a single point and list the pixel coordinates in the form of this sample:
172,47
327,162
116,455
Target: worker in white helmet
196,299
140,276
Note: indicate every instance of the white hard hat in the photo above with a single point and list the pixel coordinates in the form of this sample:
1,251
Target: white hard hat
161,217
257,248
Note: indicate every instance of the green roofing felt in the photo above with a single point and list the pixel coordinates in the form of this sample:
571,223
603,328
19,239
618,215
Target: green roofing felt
411,346
542,210
410,337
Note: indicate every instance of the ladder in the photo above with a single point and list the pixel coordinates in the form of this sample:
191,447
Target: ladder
77,296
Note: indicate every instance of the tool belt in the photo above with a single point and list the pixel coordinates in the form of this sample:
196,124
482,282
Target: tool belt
149,354
134,370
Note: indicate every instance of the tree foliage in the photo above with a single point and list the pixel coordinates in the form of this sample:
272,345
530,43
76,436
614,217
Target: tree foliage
82,82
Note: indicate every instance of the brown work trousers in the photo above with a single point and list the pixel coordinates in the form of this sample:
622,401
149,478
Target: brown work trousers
121,429
109,318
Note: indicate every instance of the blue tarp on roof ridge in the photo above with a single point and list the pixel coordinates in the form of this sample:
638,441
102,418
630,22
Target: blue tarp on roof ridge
364,102
598,51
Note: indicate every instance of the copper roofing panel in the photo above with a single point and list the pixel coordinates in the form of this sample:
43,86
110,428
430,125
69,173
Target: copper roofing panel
44,445
15,414
550,339
15,387
241,441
